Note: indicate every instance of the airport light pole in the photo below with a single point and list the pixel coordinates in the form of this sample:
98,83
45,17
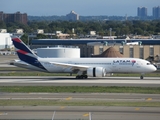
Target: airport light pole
110,29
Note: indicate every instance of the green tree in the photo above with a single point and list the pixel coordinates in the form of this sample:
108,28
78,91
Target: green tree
25,39
138,31
41,36
2,25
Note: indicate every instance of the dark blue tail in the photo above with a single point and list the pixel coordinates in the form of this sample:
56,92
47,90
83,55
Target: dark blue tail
25,53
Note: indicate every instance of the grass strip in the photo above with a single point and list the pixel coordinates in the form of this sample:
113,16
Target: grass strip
32,73
80,89
76,103
35,73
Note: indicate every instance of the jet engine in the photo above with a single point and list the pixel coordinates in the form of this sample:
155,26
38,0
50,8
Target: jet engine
96,72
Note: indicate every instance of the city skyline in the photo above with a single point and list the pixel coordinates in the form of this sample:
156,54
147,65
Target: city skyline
81,7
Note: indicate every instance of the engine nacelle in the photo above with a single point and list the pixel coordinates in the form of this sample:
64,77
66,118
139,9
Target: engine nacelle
96,72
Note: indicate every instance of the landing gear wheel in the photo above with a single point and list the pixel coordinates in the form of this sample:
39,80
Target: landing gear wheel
81,77
85,76
77,77
141,77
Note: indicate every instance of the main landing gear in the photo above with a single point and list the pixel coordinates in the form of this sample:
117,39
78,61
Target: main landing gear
81,77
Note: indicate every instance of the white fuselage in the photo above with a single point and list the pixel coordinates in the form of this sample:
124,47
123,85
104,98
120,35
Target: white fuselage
112,65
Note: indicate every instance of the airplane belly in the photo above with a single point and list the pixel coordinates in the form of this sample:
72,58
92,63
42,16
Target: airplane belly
57,69
135,69
126,69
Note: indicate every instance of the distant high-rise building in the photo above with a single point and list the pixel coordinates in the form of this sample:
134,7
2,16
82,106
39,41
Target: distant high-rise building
15,17
72,16
142,12
156,12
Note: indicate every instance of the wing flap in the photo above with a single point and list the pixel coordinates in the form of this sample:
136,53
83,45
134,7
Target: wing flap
72,67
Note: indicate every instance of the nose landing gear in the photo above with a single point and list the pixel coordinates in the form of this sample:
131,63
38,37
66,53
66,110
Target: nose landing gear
142,75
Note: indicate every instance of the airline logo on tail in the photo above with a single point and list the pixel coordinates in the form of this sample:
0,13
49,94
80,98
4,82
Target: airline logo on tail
25,54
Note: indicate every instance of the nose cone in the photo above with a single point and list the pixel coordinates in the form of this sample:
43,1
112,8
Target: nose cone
150,68
154,68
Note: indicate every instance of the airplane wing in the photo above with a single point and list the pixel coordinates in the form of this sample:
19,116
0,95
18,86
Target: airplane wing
72,67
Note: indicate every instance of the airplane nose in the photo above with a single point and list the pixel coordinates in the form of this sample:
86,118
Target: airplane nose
154,68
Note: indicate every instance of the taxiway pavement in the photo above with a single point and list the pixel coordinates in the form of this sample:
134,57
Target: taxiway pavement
71,81
79,112
82,96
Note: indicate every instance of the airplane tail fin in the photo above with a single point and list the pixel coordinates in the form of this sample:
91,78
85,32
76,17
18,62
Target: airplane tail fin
25,53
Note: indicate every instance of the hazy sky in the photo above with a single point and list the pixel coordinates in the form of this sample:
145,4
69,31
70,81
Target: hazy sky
82,7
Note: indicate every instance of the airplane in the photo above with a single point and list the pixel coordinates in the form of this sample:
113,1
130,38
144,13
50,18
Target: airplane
83,67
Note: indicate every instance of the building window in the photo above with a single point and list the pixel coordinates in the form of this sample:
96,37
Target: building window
141,52
83,51
121,49
151,51
91,51
131,52
100,49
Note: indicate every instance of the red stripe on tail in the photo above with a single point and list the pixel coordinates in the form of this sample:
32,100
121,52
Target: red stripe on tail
16,39
21,51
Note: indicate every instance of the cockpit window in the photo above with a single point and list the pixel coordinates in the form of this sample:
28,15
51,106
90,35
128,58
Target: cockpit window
148,63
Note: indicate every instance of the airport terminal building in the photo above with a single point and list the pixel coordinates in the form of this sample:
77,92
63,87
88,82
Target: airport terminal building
149,52
147,49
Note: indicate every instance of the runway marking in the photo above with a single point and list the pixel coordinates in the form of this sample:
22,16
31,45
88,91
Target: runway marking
68,98
53,115
137,109
62,107
2,113
148,99
86,114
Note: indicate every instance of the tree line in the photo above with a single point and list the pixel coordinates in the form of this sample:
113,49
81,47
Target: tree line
102,28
